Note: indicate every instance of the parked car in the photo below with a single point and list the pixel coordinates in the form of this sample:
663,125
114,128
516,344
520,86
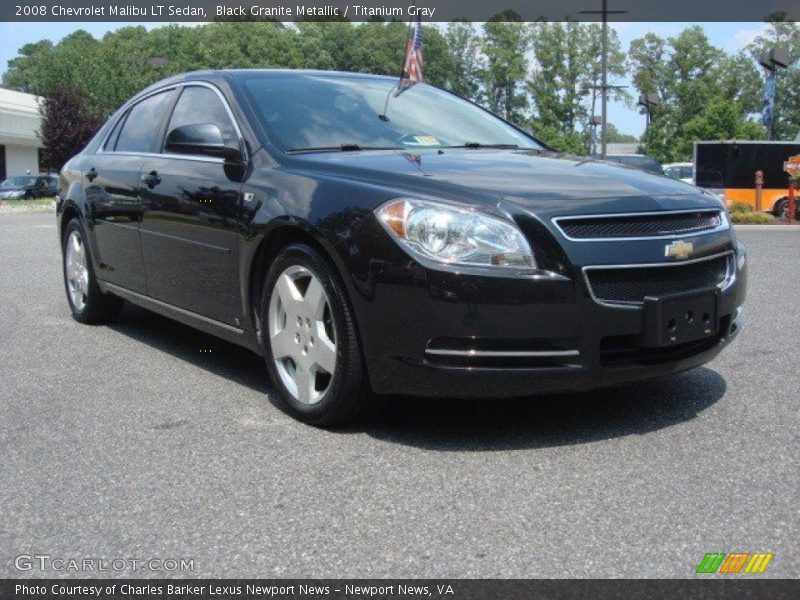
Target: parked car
681,171
637,161
25,187
365,241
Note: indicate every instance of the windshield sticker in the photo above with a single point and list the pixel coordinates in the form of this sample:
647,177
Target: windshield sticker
426,140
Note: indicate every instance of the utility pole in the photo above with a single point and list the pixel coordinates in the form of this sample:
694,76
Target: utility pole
604,66
776,58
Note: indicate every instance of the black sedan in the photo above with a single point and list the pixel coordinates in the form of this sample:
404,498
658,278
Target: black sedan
369,238
27,187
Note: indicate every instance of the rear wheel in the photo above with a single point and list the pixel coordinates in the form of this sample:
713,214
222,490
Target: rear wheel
310,341
780,208
87,303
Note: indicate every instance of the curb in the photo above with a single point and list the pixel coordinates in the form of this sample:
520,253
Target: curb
750,227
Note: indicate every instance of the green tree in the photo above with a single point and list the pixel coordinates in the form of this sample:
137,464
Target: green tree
705,93
567,71
466,60
505,43
722,119
615,136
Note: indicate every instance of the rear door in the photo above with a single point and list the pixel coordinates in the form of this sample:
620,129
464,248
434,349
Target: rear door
111,181
190,220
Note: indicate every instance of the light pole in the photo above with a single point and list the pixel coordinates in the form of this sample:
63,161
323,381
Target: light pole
776,58
647,102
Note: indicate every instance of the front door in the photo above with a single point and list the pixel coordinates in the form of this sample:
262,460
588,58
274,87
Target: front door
190,221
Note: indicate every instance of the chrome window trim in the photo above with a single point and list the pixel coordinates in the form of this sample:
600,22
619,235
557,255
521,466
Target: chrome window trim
730,276
102,149
724,226
192,157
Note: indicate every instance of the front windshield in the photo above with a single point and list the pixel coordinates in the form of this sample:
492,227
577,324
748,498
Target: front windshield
14,182
318,111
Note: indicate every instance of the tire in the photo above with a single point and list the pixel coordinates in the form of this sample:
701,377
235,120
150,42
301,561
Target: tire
308,330
86,302
780,208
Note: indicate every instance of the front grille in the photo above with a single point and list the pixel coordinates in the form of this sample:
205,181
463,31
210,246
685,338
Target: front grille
630,285
638,226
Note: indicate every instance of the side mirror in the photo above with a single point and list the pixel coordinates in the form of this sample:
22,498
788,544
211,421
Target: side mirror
201,138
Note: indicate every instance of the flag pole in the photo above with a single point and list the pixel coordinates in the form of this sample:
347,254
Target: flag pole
383,116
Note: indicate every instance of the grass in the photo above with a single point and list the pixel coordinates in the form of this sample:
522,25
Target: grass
38,205
32,202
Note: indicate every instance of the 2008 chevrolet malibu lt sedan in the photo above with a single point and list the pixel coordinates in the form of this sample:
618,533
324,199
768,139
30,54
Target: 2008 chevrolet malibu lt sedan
368,238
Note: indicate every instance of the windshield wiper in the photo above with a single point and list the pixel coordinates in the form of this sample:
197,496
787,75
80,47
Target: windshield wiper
474,145
339,148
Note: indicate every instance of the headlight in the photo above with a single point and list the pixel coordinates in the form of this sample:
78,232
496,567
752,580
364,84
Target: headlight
14,195
455,236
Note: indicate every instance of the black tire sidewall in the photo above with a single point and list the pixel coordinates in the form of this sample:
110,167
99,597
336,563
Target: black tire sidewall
781,208
339,401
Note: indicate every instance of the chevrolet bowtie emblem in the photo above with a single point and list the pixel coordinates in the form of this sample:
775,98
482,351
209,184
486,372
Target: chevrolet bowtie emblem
679,249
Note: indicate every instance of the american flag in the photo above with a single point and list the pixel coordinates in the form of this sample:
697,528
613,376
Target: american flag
412,70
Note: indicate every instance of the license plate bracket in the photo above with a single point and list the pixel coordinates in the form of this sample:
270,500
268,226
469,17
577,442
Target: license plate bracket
680,318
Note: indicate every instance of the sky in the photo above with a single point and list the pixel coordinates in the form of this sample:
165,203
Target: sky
730,37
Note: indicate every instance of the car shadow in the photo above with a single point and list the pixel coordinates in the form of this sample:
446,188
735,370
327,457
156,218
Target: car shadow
544,421
200,349
460,425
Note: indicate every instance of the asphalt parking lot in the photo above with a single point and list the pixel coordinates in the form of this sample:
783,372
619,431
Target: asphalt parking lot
147,439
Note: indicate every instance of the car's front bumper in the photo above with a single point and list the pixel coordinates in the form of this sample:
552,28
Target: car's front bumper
442,334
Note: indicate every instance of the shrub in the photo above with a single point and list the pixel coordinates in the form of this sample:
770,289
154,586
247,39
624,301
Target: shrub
752,218
740,207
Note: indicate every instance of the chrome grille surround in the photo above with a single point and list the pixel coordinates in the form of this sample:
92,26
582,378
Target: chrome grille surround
642,225
725,277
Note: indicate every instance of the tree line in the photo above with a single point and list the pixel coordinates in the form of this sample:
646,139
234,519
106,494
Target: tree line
544,77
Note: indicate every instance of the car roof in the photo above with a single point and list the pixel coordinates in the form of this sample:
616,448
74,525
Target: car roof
217,75
227,74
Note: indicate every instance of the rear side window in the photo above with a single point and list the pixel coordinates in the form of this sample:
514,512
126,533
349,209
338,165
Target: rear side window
112,138
200,105
142,124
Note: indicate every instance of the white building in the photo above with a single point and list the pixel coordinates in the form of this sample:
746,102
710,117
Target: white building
19,143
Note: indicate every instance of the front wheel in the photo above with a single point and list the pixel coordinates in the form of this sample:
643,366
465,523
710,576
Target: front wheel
87,303
310,342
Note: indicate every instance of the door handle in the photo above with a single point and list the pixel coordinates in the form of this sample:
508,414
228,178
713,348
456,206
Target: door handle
91,174
151,180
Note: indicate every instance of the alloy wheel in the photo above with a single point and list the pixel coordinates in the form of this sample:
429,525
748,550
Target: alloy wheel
77,271
302,335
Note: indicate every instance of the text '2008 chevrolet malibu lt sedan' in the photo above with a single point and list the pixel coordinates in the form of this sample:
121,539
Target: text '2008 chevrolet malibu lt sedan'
369,238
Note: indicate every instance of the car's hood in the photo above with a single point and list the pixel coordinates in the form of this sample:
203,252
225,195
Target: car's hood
544,182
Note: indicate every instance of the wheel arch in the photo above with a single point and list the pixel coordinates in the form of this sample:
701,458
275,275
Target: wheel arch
69,212
72,206
278,237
